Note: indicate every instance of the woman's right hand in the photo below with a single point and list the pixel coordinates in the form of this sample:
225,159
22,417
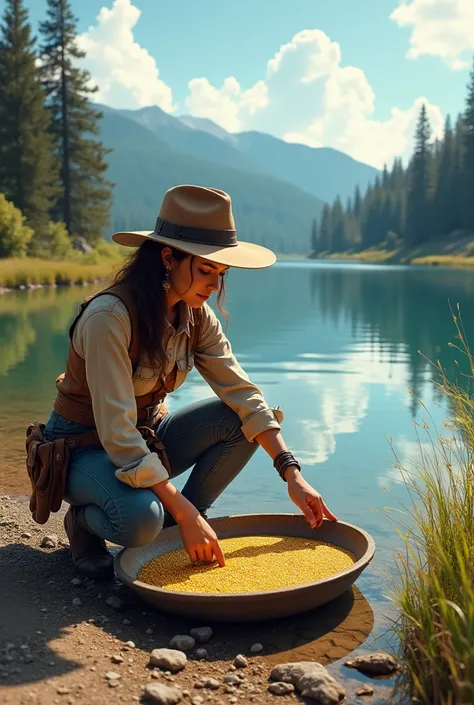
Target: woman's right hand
199,539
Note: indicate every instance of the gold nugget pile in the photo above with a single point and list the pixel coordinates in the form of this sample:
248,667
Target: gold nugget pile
253,563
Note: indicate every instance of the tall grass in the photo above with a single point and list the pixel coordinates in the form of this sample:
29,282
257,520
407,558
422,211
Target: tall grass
434,581
28,271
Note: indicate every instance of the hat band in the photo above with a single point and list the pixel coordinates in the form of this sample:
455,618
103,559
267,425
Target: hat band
201,236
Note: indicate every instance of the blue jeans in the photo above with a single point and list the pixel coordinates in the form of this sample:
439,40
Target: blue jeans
205,436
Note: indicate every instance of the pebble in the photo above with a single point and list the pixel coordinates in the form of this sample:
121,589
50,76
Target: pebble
76,582
130,644
170,660
197,700
44,609
127,622
149,631
26,535
115,602
281,688
49,541
201,653
77,602
163,694
111,675
377,664
182,642
365,690
256,648
201,634
63,690
212,683
232,679
240,661
155,673
116,658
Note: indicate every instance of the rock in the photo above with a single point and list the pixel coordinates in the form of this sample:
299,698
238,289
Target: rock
240,661
127,622
80,243
115,602
49,541
197,700
77,602
156,673
212,683
26,535
76,582
201,634
365,690
130,644
149,631
201,653
112,676
182,642
63,690
281,688
377,664
232,679
116,658
311,679
163,694
256,648
168,659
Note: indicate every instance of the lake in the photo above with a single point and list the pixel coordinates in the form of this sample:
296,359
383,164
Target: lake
335,345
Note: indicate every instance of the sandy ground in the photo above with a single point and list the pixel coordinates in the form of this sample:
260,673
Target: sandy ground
53,651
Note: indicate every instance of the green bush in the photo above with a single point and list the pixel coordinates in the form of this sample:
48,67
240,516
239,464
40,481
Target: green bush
53,243
14,234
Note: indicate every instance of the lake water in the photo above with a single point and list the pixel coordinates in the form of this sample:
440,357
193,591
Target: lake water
335,345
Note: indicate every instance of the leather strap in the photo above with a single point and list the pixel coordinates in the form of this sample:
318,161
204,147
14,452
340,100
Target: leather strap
201,236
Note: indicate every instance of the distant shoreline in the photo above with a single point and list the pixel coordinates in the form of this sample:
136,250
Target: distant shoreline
31,274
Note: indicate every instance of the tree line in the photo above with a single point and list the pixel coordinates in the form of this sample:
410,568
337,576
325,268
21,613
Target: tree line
431,199
52,162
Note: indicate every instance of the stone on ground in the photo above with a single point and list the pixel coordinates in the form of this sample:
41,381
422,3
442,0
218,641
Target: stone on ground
312,681
163,694
168,659
377,664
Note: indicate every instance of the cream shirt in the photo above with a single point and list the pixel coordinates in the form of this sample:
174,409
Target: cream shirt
102,338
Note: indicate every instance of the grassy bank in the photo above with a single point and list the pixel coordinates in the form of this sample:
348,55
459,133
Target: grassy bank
457,253
16,273
434,586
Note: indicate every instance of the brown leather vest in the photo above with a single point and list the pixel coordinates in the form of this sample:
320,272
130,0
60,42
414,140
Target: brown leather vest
73,400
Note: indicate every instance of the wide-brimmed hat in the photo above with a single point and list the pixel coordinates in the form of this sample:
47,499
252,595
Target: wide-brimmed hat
199,220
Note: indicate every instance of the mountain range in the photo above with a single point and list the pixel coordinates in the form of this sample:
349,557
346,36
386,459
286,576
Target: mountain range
277,188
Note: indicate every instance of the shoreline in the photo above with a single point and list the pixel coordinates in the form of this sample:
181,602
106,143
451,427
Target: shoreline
365,257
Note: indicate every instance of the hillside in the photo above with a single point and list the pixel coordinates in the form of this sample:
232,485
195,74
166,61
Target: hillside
321,172
268,211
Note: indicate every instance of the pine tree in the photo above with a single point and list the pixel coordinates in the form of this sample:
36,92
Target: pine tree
28,169
314,236
468,158
447,216
357,203
339,233
419,222
325,235
86,199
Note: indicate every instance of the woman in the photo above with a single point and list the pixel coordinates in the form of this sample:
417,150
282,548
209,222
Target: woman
131,344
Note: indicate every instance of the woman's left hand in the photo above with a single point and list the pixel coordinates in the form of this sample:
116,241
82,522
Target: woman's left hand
308,500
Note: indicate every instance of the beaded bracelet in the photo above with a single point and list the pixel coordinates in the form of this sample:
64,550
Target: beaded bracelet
282,461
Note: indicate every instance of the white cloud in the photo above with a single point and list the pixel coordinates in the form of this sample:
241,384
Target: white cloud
228,106
307,96
126,73
443,28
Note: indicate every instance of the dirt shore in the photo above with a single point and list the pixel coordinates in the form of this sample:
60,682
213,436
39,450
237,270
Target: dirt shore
58,649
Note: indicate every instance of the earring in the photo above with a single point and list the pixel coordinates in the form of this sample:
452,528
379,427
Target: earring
166,281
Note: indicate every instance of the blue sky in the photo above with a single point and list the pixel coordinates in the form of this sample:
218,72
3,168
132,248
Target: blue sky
321,72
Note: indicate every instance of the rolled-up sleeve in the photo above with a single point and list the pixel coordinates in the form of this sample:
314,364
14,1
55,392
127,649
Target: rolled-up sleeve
101,338
217,364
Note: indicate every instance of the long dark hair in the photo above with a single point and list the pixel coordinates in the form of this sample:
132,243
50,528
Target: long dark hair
143,272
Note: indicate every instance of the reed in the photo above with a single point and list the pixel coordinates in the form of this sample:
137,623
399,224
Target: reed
433,585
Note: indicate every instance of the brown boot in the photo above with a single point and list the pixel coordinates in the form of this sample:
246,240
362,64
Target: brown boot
88,551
